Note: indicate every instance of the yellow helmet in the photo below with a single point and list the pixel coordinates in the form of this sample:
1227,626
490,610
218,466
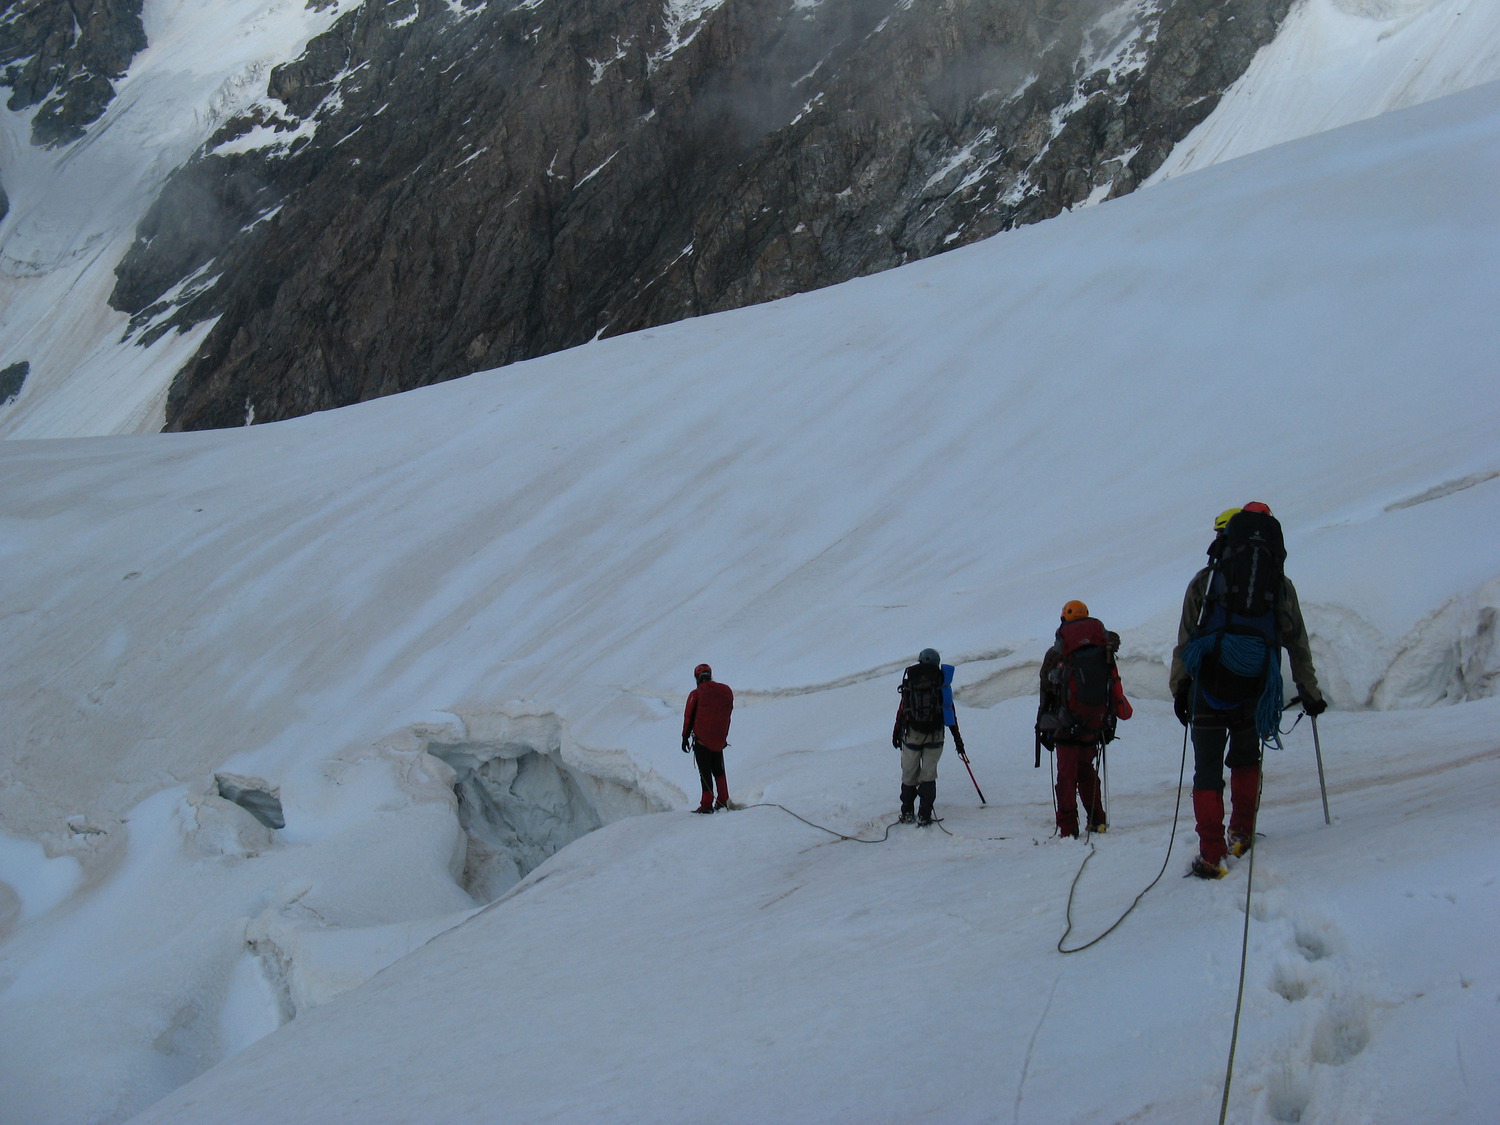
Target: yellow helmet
1221,521
1075,611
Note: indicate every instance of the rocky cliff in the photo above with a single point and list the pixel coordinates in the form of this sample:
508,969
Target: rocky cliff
65,56
443,186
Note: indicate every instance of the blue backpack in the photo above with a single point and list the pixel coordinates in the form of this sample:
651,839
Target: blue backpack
1234,654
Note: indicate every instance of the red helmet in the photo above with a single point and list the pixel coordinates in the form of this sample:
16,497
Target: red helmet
1257,506
703,672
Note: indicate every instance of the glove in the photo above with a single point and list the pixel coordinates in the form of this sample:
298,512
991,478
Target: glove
1182,703
1314,705
896,741
958,742
685,746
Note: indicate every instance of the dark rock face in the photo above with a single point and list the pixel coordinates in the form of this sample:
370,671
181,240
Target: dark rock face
66,56
454,189
12,379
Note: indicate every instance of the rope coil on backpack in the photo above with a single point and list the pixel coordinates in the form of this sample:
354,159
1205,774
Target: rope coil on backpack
1243,656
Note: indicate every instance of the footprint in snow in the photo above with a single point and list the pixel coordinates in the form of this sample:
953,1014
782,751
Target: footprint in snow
1331,1024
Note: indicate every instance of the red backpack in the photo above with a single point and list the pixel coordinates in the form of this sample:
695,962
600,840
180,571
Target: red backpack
1079,691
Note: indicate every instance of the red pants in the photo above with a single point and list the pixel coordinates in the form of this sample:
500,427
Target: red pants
1208,810
1216,744
1077,779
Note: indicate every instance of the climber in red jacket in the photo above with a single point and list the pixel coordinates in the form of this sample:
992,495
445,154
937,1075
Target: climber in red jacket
705,731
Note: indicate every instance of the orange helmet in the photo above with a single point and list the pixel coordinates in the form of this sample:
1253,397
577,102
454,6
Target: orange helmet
1257,506
1075,611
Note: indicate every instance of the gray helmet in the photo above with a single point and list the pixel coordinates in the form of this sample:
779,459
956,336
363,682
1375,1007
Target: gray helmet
929,656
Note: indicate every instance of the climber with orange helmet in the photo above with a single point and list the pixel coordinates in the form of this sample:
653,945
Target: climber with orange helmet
1081,699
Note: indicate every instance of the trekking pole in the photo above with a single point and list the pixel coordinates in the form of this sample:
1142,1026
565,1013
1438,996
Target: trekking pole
1104,769
964,758
1052,783
1322,785
1317,751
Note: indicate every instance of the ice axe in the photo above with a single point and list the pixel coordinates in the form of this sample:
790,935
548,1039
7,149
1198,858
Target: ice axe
964,758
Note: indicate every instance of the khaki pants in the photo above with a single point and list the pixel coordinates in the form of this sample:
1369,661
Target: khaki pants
919,756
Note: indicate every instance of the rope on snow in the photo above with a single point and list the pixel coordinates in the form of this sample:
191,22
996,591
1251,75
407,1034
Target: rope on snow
1239,1000
1072,890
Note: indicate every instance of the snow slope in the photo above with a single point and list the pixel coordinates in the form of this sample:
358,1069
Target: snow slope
1334,62
752,969
505,581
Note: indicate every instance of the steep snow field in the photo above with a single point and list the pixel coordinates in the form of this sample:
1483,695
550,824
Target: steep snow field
74,210
1335,62
504,582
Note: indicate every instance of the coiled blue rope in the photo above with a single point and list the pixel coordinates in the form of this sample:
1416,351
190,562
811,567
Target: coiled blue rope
1244,656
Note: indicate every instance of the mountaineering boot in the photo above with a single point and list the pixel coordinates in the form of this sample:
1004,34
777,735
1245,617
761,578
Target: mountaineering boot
1097,820
1208,811
1239,845
1244,793
722,784
908,800
926,794
706,805
1067,822
1205,870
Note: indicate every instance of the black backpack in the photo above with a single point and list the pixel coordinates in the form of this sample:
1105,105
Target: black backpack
1248,561
922,691
1246,565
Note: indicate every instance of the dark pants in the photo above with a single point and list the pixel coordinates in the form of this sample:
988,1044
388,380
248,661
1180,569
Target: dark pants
710,772
1077,778
1209,757
1214,734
